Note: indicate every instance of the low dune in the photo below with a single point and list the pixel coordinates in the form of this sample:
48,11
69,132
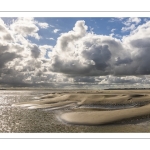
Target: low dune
123,104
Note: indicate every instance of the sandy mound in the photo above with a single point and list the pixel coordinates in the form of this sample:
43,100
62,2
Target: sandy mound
103,117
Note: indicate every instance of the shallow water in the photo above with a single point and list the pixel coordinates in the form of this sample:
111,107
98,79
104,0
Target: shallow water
22,120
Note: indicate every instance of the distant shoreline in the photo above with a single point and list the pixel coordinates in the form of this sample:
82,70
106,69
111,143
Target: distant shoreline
128,89
74,89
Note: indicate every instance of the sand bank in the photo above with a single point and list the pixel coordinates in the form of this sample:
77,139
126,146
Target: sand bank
104,117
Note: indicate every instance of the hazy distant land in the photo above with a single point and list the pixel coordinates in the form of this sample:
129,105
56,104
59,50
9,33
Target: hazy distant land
95,107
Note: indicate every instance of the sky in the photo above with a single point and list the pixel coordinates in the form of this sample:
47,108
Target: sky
75,52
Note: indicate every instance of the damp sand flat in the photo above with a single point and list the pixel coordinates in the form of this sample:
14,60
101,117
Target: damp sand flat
139,98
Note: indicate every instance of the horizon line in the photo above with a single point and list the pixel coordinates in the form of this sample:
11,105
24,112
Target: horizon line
75,11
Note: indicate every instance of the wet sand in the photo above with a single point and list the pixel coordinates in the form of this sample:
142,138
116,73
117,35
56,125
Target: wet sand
95,107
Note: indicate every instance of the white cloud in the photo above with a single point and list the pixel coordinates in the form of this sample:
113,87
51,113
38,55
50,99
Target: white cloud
5,34
50,39
136,20
112,30
114,19
43,25
25,27
126,81
56,30
120,18
142,31
112,34
128,28
130,24
51,26
145,19
44,49
132,20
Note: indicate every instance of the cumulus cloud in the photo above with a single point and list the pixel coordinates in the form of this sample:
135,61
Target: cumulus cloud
21,60
5,34
3,48
79,56
35,51
25,27
45,50
141,81
81,53
6,57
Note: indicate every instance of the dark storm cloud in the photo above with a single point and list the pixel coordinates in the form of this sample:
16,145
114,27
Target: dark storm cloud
5,34
99,54
7,37
71,66
84,79
141,56
120,61
2,29
3,48
6,57
142,63
11,77
141,43
35,51
39,73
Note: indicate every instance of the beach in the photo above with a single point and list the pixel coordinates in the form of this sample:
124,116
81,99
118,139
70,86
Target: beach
94,107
